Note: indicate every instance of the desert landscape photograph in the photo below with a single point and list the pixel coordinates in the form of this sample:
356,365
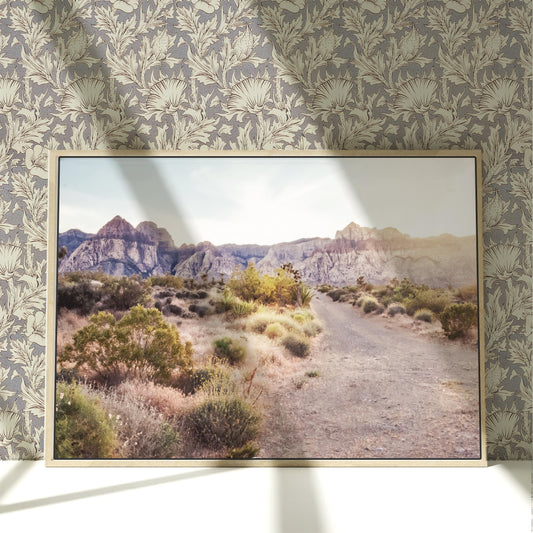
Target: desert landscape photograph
266,308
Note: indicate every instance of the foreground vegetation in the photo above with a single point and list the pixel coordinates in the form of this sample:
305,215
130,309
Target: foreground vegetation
129,386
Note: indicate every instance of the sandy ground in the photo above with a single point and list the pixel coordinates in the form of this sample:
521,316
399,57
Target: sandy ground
383,391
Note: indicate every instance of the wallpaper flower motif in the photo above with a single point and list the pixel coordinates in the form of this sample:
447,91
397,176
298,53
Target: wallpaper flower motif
275,74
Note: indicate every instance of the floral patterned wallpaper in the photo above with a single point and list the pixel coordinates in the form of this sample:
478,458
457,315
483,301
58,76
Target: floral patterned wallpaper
276,74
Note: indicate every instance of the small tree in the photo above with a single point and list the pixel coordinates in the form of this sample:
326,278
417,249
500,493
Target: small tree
246,284
142,344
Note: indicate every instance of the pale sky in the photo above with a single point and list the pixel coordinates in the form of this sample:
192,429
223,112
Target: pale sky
266,200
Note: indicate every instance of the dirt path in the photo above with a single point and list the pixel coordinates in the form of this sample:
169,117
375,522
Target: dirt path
382,391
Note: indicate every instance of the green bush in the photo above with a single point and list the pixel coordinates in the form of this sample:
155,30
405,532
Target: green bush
302,315
241,308
324,288
212,377
306,294
404,290
430,299
247,451
230,350
142,344
124,292
336,294
457,319
425,315
224,421
369,304
83,429
296,344
395,309
168,280
81,295
282,288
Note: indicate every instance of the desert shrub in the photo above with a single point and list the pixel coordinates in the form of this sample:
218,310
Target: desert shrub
380,291
296,344
142,430
312,374
247,451
369,304
175,309
168,401
430,299
141,344
82,428
457,319
168,280
164,294
246,284
306,294
395,309
324,288
80,294
336,294
311,329
404,290
221,383
125,292
282,288
259,322
359,302
241,308
200,310
224,421
229,350
467,294
302,315
215,377
226,300
425,315
275,330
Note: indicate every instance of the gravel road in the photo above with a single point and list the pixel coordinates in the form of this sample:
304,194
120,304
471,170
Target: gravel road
383,391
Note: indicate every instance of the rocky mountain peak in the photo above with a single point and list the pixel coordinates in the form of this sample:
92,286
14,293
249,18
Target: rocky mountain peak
152,233
117,228
355,232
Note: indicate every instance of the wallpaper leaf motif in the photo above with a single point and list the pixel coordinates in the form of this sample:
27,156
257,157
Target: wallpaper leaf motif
274,74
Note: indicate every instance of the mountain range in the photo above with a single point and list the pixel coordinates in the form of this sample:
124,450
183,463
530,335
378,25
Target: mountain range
379,255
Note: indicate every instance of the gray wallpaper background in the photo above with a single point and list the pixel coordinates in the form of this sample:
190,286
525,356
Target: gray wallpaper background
282,74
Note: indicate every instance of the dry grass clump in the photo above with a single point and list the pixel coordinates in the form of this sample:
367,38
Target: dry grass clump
296,344
168,401
68,322
142,430
259,321
395,308
369,304
424,315
275,331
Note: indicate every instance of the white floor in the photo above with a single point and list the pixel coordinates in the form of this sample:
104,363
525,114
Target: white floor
496,499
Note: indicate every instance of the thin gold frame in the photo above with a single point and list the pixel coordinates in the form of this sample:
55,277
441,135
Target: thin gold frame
55,155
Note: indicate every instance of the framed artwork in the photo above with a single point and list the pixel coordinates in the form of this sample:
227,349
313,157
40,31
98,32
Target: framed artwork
265,308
